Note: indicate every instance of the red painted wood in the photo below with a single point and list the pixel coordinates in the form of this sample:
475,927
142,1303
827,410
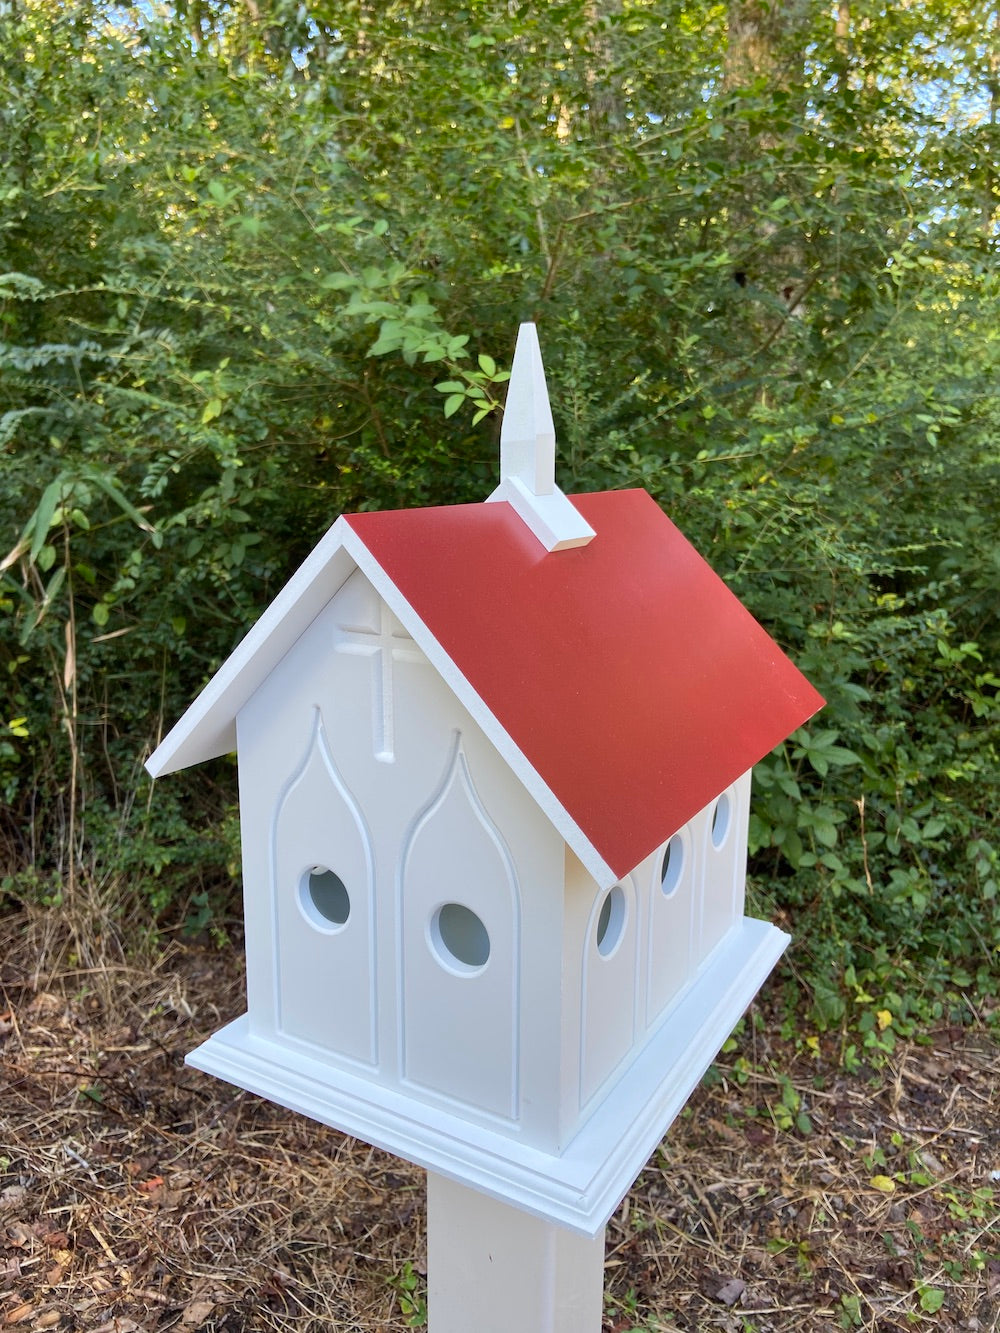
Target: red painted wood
625,671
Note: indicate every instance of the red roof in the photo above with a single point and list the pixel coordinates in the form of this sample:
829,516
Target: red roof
625,671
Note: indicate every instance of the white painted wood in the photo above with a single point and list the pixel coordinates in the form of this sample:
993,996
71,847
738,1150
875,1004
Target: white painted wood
608,984
502,814
325,936
579,1187
459,1043
527,432
460,940
741,838
494,1269
208,728
520,1134
257,803
723,862
552,519
674,916
528,454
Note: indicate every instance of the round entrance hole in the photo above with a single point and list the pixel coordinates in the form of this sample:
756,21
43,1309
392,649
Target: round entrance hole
459,937
672,865
324,898
721,819
611,922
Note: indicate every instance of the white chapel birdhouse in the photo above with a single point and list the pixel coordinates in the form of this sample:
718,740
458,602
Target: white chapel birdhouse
494,767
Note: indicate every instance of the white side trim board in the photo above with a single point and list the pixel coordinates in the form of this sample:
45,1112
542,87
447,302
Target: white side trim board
579,1189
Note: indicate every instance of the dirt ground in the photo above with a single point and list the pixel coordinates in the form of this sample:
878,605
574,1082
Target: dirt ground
137,1195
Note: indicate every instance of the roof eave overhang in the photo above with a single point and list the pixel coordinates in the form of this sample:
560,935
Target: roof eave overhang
207,729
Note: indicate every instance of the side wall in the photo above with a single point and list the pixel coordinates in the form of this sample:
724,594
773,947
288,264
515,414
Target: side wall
630,952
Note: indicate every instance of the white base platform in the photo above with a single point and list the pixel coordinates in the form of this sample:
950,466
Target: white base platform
582,1187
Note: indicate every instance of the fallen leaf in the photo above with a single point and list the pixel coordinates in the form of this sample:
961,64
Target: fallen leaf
56,1240
19,1314
150,1186
725,1132
49,1319
196,1313
882,1183
932,1163
757,1136
44,1004
731,1291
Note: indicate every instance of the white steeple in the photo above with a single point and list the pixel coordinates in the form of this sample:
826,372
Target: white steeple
528,454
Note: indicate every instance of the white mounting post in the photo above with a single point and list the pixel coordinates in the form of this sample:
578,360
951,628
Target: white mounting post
528,454
492,1268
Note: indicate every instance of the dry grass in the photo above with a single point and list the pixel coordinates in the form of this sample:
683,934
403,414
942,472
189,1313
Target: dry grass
138,1195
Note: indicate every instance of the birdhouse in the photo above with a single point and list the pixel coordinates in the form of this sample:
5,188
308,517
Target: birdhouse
494,770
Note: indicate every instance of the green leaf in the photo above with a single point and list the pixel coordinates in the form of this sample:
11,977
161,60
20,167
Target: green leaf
115,493
453,403
41,520
931,1299
840,756
249,227
384,345
487,364
220,194
826,832
212,409
338,282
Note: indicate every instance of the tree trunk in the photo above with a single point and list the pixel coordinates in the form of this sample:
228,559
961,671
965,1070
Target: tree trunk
766,41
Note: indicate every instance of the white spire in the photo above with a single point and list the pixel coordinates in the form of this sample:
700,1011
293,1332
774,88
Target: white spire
527,434
528,453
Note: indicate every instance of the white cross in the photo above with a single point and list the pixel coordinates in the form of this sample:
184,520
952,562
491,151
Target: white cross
384,645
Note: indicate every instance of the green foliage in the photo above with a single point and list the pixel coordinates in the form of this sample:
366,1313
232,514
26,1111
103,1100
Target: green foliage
257,271
410,1291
